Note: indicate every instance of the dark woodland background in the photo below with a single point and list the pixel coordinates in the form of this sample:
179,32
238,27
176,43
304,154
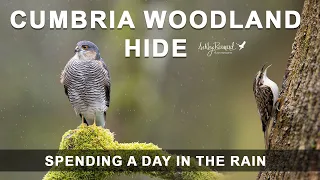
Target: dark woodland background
195,103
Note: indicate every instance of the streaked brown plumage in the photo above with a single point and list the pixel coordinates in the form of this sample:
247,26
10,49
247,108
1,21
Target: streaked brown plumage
266,93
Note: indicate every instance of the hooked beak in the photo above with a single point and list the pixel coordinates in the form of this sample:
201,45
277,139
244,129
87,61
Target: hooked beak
77,49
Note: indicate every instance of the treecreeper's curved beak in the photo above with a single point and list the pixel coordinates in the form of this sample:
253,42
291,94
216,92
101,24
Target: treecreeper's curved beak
264,65
268,67
77,49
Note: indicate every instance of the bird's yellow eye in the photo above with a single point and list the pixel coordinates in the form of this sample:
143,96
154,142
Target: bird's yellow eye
85,47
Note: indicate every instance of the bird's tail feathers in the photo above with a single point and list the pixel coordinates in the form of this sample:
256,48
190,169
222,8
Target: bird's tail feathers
266,139
267,132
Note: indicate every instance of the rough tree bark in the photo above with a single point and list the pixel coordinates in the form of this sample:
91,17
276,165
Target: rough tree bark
298,121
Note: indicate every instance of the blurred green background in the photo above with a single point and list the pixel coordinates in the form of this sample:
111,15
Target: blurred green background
195,103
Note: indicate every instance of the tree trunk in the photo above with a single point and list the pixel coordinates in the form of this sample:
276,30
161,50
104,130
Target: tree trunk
298,121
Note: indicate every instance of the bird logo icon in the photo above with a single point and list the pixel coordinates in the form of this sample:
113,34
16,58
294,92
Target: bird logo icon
241,46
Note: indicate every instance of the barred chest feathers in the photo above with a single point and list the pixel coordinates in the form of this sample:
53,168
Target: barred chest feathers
86,80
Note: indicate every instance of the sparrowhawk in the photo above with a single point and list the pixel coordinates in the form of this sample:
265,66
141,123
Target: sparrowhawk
86,81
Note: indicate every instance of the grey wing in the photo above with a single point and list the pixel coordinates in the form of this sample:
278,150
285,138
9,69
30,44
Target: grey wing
108,84
66,90
62,80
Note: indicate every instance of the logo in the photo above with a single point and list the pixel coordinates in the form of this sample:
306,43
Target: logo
241,46
216,47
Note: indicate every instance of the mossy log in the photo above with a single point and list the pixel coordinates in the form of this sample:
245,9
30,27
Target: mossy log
97,138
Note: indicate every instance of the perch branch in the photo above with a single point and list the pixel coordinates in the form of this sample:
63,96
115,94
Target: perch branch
97,138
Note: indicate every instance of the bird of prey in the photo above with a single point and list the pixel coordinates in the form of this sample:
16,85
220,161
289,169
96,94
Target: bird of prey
86,82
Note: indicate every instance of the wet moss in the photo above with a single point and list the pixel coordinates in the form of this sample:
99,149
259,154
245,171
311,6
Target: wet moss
97,138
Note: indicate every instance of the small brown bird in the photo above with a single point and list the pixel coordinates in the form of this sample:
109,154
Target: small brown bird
266,93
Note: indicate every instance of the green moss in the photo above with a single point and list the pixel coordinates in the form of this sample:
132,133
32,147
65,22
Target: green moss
97,138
